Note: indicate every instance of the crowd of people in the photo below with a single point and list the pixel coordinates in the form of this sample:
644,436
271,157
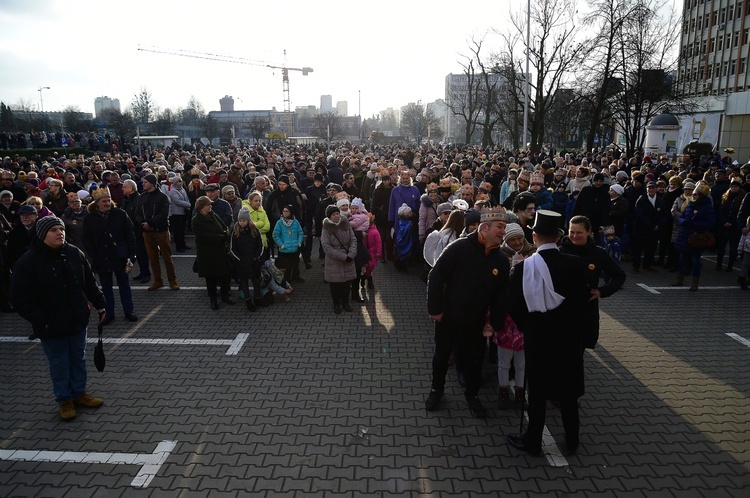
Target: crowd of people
506,242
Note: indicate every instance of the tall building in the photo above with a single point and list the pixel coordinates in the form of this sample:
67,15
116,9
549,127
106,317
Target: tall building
713,67
342,108
102,103
326,103
226,103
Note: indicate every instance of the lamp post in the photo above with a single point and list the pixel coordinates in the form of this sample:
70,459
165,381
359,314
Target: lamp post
41,101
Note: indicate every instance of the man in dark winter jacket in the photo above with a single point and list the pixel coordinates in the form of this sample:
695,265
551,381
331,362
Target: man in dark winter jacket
110,243
61,319
152,214
469,277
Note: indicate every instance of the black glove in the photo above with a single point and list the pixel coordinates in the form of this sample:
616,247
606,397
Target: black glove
348,259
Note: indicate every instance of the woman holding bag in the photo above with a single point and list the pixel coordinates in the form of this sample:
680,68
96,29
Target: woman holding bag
695,223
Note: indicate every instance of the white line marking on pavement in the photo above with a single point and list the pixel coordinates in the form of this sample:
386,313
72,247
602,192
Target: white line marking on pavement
234,344
647,288
739,339
150,463
237,344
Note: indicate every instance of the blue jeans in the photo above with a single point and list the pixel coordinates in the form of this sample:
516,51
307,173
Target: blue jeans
126,297
67,365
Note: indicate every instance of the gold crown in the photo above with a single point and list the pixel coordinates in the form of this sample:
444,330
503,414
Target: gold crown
101,193
493,214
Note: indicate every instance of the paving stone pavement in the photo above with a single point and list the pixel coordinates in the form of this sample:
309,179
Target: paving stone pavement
318,404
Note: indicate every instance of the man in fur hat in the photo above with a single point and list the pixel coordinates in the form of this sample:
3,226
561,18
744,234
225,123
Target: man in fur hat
109,241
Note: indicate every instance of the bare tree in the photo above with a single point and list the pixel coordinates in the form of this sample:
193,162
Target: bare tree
258,127
463,101
553,51
164,122
122,123
327,125
647,56
143,106
510,109
74,120
418,122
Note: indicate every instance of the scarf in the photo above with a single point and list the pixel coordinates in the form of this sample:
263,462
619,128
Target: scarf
538,289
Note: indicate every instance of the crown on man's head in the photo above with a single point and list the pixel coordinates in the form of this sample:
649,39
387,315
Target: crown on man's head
102,192
493,214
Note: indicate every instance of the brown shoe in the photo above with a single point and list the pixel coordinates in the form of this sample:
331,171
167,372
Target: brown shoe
156,285
67,410
85,399
174,286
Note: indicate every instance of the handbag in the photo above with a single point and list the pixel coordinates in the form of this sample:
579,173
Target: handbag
99,359
701,240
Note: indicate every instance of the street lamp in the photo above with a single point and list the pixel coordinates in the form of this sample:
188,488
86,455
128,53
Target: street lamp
41,101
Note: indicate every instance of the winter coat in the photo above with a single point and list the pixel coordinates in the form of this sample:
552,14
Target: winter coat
543,199
246,250
596,263
288,235
260,220
381,197
559,202
19,241
67,284
553,341
360,222
618,214
339,243
727,213
109,241
211,240
427,216
153,208
180,205
647,217
678,206
593,203
403,194
466,281
697,217
74,226
374,245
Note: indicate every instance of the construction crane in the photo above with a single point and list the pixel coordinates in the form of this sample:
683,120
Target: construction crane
237,60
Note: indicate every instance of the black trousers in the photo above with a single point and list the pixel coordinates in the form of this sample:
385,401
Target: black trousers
340,292
645,247
537,413
223,282
178,223
450,334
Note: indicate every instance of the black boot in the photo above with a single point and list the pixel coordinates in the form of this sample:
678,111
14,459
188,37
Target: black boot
214,304
336,307
370,285
228,300
250,305
743,283
345,305
259,303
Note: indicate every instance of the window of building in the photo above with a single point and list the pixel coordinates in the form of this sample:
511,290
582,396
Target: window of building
733,68
736,39
744,36
722,16
725,69
730,12
719,43
743,66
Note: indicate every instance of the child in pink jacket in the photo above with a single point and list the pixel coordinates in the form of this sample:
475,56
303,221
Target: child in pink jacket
374,246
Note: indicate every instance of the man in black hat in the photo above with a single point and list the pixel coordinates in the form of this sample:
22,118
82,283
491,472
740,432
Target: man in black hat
547,300
152,214
593,202
221,207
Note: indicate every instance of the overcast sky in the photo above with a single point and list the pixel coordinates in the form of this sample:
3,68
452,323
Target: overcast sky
394,52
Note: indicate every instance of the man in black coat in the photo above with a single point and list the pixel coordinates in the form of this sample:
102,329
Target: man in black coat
130,205
152,214
649,218
110,243
469,277
59,320
593,202
548,298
